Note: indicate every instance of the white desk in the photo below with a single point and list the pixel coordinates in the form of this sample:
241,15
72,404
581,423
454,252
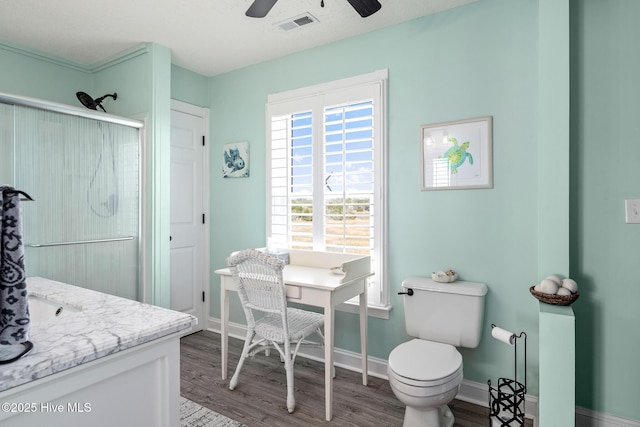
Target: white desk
316,286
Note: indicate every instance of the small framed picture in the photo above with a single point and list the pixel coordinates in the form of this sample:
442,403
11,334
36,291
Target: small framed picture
235,160
457,155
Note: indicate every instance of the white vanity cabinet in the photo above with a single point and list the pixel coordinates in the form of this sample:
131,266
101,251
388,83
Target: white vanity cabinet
113,362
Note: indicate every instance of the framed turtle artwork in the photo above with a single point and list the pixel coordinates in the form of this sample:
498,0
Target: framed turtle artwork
457,155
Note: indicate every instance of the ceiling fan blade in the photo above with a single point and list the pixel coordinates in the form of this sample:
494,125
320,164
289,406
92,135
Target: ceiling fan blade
260,8
365,7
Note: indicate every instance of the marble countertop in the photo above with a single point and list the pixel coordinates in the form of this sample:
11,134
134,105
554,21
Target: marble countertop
104,325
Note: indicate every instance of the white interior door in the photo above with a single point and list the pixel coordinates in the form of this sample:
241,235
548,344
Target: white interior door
189,201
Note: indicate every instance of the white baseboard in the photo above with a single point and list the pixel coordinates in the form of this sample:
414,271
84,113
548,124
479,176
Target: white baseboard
470,391
588,418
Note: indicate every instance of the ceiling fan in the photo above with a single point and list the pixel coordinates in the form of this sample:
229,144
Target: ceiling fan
260,8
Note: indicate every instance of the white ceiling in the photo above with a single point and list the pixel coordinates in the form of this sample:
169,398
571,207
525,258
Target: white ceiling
206,36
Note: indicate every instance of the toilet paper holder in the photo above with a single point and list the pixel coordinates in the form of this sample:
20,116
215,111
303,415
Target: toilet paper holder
506,401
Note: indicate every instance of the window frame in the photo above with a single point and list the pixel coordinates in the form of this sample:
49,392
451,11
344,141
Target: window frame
316,98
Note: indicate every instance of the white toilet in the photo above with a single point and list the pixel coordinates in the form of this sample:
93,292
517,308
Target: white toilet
425,373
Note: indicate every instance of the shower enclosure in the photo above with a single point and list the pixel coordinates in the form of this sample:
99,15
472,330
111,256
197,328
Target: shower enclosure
83,171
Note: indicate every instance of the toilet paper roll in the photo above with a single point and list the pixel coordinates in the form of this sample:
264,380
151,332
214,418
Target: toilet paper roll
503,335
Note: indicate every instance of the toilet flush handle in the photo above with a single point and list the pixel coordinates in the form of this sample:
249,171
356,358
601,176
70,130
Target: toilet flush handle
409,292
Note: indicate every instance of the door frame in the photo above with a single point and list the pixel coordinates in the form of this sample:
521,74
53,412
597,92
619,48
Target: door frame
202,113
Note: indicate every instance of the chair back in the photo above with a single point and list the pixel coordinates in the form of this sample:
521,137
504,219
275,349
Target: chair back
258,277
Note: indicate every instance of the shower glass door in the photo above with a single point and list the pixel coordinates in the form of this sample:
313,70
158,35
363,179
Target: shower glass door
83,227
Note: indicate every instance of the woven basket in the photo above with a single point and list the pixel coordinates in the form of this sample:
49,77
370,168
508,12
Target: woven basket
554,299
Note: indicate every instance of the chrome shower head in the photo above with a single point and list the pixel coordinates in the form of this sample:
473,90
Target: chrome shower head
91,103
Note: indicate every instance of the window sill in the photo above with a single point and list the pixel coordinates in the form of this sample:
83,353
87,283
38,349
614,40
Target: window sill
379,311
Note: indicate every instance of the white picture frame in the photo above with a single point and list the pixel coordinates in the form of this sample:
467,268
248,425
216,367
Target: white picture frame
235,160
457,155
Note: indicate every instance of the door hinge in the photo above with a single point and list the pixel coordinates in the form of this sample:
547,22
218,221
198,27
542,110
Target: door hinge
203,140
203,218
202,296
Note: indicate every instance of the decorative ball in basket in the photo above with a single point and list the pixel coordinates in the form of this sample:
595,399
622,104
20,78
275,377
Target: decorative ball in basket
556,290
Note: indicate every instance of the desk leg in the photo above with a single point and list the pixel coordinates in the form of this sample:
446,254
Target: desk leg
363,334
329,316
224,327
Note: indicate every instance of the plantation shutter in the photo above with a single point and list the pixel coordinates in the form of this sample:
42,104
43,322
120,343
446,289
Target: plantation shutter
349,178
292,180
325,173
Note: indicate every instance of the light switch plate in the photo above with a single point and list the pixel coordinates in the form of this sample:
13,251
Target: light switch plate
632,211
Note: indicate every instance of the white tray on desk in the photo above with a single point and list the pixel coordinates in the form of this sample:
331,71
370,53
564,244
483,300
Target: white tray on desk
330,268
348,266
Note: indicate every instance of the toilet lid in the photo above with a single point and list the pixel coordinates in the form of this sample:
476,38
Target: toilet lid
421,360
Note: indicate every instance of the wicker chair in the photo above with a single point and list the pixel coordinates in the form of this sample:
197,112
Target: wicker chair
258,277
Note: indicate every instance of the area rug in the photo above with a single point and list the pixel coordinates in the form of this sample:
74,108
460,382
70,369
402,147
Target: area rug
194,415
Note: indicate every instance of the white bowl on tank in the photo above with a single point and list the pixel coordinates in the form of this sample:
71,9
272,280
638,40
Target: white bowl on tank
425,373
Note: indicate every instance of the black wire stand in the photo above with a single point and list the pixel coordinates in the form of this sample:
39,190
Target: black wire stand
506,401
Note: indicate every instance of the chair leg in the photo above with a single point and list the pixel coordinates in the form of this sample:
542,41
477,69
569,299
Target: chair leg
245,353
289,359
291,400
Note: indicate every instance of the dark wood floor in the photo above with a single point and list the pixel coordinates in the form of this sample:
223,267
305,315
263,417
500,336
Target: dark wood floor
260,397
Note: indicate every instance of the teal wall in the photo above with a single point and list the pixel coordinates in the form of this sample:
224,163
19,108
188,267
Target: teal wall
557,374
605,154
553,137
34,75
480,59
472,61
189,87
476,60
128,76
555,378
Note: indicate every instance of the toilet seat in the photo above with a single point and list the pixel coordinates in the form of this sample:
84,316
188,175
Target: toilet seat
422,363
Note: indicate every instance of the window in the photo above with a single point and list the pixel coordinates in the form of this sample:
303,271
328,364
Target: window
326,171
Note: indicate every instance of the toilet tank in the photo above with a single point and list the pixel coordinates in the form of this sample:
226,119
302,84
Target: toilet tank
450,313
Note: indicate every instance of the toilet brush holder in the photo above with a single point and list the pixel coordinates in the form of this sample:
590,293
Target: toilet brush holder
507,399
